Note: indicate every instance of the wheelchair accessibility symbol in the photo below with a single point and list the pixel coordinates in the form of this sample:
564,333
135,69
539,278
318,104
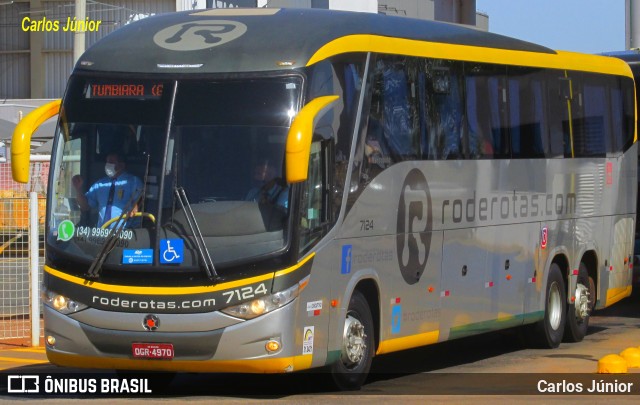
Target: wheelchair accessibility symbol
171,251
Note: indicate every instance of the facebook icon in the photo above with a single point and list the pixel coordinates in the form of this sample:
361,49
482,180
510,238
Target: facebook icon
346,259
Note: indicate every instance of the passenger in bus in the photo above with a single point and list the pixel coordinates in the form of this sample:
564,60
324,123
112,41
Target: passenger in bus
112,194
267,187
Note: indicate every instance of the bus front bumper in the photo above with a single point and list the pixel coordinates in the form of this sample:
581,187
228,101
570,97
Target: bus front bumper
241,347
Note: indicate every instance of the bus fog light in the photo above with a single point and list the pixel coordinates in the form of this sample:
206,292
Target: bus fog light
272,346
51,341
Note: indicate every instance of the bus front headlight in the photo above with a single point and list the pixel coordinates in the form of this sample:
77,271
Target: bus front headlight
263,305
61,303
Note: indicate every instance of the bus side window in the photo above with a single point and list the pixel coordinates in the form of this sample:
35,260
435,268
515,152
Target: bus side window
393,132
527,121
622,102
313,206
399,107
485,110
592,121
445,109
557,113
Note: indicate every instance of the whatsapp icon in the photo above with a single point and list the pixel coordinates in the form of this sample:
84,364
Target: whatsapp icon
66,230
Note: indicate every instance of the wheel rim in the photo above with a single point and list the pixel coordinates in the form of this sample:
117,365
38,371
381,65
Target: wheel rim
354,344
554,306
582,303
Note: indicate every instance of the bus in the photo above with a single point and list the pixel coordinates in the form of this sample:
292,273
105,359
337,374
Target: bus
434,182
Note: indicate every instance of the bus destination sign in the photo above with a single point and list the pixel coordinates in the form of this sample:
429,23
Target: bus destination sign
144,91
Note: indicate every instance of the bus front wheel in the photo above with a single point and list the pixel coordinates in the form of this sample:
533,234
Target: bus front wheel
549,331
351,370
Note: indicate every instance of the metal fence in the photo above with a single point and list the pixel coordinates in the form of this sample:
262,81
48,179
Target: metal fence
15,253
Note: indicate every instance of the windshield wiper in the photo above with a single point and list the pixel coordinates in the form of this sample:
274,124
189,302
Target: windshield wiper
112,239
207,263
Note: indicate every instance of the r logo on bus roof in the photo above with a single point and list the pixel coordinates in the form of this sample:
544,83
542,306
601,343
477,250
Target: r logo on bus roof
198,35
414,217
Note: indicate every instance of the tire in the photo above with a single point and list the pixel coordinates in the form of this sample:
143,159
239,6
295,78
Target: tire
548,332
578,313
351,370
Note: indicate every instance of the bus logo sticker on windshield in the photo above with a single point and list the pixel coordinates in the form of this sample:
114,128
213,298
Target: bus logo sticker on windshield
137,256
415,221
66,230
198,35
171,251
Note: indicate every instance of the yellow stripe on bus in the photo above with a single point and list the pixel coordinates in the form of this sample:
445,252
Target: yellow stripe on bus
616,294
23,361
409,47
30,349
171,290
408,342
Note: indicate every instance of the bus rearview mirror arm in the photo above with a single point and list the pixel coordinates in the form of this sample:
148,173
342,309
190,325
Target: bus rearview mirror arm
299,137
21,140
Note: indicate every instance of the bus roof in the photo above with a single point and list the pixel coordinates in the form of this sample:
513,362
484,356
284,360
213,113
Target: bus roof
249,40
629,56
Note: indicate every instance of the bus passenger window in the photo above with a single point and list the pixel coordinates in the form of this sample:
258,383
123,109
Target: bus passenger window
622,105
485,110
393,125
592,121
527,116
445,109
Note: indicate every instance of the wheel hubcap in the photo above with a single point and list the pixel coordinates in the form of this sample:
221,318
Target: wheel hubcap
554,306
353,342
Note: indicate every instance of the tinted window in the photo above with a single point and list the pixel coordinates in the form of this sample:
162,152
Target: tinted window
527,113
444,110
393,126
591,116
486,110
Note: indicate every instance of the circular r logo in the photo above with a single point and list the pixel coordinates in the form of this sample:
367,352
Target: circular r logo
198,35
415,221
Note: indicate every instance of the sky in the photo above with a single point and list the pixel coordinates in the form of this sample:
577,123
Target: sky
589,26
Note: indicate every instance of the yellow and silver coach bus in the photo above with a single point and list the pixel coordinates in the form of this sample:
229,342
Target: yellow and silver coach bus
311,188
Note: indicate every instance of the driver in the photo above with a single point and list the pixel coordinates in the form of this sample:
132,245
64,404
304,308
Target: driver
267,188
110,195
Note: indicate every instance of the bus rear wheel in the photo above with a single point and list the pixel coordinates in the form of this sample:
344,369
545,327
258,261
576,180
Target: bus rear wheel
351,370
549,331
579,311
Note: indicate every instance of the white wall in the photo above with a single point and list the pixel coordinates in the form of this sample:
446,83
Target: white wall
369,6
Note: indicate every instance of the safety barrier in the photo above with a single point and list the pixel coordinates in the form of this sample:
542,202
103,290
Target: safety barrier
21,223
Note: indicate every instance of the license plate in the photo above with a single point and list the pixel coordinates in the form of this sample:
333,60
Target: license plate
152,350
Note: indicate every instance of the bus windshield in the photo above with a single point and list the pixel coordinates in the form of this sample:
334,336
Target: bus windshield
173,170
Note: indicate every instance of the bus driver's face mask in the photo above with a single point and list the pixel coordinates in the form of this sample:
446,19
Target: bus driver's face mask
110,169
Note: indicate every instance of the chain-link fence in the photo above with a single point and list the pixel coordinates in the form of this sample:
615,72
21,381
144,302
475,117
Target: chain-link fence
15,280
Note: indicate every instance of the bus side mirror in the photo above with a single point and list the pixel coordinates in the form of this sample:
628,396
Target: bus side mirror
299,137
21,140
